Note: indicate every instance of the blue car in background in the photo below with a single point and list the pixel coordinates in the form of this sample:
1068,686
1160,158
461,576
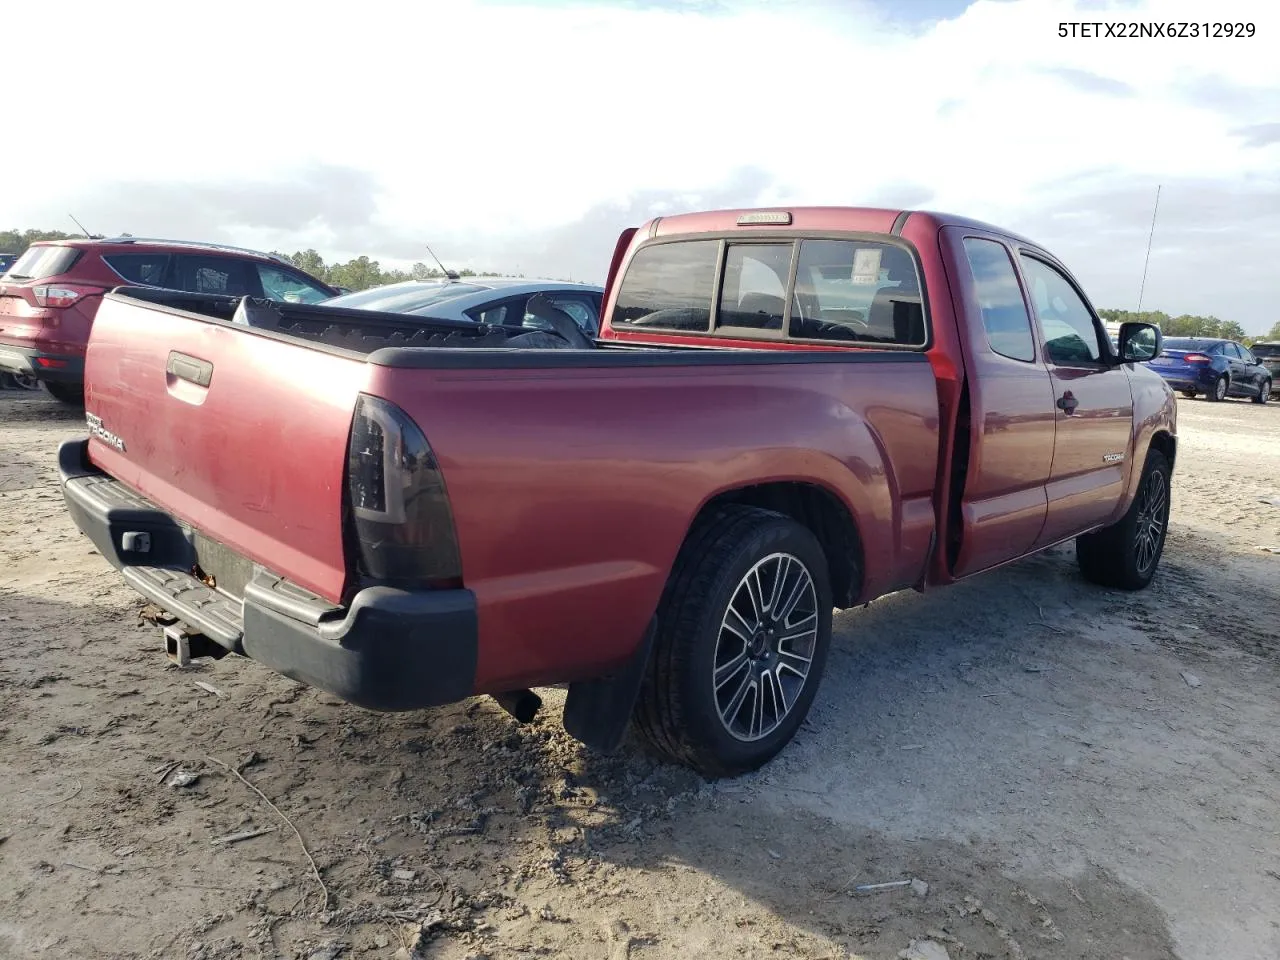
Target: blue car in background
7,260
1213,367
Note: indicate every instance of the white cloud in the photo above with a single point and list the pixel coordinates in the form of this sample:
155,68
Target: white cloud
494,129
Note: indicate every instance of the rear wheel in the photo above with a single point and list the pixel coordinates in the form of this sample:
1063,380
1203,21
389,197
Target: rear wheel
1219,389
1264,392
742,636
72,394
1125,555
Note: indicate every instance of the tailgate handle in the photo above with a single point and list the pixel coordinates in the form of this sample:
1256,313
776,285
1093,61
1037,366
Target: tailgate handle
192,369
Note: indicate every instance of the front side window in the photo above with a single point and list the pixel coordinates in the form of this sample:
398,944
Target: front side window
1004,312
289,287
669,286
1070,334
581,311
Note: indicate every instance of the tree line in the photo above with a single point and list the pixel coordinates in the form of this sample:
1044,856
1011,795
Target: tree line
361,273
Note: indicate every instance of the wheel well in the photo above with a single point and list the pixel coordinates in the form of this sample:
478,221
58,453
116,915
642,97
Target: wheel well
1166,444
822,513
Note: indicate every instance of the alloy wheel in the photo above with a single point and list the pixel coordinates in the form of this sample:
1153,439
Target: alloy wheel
765,647
1153,515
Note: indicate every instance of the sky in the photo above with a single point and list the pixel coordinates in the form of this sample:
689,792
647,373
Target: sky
522,136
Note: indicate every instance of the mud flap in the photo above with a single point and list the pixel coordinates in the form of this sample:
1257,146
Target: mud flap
596,712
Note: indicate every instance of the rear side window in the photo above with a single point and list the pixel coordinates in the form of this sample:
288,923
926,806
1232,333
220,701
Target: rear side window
219,275
147,269
857,290
1004,312
669,286
40,263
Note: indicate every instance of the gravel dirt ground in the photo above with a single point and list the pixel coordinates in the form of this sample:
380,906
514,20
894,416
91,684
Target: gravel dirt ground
1071,772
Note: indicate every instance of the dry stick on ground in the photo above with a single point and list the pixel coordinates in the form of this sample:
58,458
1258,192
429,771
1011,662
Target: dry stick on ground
302,843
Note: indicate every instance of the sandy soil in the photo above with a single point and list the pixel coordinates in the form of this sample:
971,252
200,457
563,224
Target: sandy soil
1072,772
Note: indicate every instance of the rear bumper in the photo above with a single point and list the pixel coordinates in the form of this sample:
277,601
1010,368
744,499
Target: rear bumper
389,650
58,368
1190,379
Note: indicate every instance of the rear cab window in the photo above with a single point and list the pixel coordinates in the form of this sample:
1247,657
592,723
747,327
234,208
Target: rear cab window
860,291
40,263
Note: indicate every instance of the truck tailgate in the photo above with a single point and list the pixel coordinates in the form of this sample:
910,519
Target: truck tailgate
241,435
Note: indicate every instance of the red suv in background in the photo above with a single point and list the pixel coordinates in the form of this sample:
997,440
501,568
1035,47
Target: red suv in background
49,296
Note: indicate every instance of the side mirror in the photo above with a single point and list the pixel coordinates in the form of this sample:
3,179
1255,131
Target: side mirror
1139,342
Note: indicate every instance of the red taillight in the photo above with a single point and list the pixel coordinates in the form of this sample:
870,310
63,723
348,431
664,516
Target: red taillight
60,294
1197,358
49,363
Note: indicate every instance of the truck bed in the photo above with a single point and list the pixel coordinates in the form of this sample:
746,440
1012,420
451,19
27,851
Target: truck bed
242,434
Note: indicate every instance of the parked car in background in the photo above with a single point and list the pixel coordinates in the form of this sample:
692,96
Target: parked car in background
1268,354
1214,367
784,412
494,300
50,295
6,261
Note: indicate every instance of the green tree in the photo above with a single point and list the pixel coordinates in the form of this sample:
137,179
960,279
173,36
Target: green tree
310,262
358,274
16,241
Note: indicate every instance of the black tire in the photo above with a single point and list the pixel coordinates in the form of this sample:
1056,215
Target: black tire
678,711
72,394
1126,554
1264,392
1219,390
1189,394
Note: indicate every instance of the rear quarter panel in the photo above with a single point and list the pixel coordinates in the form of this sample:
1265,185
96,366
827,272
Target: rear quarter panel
572,489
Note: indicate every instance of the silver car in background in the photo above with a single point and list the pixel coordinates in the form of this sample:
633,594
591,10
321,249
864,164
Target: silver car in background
500,301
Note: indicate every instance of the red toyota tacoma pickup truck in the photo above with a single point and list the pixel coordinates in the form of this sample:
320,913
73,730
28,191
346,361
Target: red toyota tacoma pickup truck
786,412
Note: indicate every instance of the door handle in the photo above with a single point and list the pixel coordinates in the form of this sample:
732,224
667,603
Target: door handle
189,368
1068,402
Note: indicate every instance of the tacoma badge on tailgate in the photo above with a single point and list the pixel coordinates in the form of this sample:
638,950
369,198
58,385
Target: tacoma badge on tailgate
96,429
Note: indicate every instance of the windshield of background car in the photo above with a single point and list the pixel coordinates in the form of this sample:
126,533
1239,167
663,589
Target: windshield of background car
1266,351
41,262
403,297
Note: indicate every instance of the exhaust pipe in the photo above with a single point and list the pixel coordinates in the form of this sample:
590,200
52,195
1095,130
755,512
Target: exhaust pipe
521,704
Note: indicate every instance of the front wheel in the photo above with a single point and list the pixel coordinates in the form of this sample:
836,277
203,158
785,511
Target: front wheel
1218,391
742,636
1264,392
1125,555
72,394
